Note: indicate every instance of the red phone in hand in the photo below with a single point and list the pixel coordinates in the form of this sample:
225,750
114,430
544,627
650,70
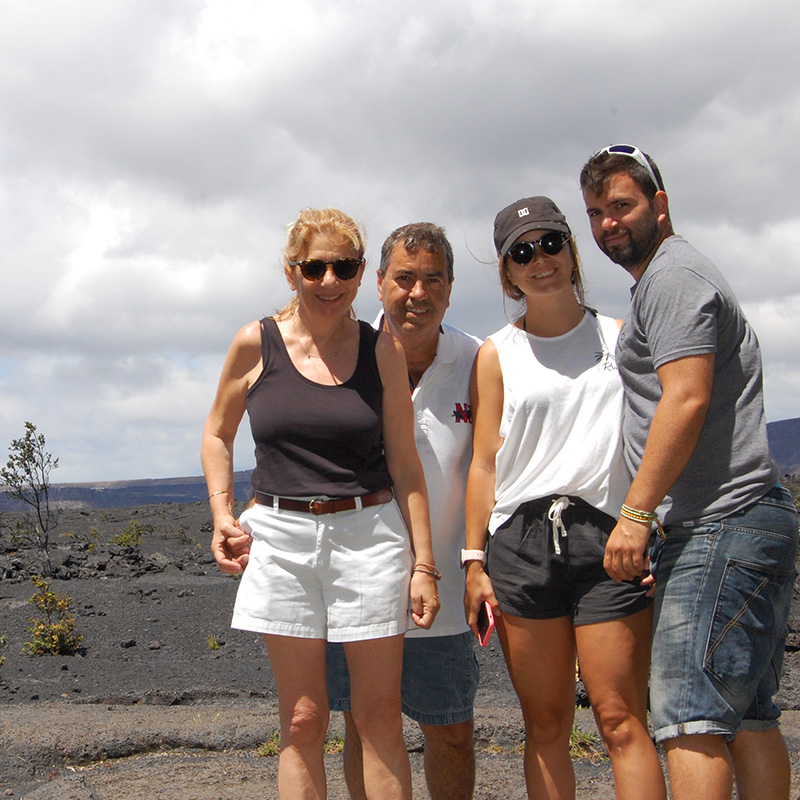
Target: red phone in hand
485,623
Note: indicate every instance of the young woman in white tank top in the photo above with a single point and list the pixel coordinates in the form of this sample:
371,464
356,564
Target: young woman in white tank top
545,484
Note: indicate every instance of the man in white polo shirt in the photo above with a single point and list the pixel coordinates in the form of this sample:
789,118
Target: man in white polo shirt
440,671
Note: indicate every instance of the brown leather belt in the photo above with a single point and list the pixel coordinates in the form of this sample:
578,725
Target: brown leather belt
319,506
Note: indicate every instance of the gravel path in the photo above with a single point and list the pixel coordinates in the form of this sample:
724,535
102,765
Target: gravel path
206,751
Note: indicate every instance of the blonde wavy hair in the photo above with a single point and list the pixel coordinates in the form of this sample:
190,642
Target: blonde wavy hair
313,222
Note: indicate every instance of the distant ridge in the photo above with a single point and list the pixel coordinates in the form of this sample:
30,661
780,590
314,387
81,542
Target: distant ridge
784,441
124,494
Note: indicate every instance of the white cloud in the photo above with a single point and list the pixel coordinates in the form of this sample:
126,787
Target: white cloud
776,323
153,151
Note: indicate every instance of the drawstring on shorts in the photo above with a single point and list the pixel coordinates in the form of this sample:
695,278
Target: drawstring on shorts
554,515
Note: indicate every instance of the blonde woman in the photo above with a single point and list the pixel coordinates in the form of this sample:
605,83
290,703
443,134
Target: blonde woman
325,549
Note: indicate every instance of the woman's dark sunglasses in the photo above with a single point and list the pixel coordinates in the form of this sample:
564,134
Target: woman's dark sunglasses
312,269
551,244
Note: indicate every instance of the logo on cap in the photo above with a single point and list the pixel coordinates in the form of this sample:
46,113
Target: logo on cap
523,212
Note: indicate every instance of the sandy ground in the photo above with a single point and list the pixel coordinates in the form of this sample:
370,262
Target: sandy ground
150,709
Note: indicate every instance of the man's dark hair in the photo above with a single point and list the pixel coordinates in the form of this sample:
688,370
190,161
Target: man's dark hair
415,236
602,166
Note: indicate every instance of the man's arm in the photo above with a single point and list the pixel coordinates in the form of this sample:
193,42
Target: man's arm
686,385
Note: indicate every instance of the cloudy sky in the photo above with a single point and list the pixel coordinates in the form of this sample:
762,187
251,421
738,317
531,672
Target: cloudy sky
152,153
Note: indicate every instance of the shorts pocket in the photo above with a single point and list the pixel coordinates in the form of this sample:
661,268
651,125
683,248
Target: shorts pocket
741,644
243,520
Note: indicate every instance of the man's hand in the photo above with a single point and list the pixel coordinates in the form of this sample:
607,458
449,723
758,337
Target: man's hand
626,550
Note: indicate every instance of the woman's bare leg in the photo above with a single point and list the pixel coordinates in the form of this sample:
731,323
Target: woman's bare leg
615,665
541,661
375,667
298,666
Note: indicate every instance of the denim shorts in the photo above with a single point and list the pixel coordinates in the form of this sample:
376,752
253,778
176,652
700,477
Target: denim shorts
440,678
532,580
721,617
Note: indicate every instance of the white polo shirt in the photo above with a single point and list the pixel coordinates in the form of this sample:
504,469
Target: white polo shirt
443,434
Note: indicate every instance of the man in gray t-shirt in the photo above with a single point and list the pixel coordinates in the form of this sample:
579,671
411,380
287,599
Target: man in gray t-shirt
682,307
696,445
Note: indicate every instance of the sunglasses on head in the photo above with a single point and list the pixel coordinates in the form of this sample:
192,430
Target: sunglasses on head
551,244
313,269
636,154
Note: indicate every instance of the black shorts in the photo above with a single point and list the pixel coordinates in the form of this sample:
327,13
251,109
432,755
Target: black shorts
531,580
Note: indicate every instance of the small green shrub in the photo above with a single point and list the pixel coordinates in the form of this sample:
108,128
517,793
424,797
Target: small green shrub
53,631
26,478
213,642
183,537
586,745
272,747
2,645
130,535
91,539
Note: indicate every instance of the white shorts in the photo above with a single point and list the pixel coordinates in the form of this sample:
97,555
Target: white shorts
343,577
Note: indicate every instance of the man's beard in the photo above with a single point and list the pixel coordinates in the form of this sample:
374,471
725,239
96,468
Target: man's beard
641,243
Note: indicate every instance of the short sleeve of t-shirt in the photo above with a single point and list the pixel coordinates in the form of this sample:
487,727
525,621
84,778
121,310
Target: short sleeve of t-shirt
678,312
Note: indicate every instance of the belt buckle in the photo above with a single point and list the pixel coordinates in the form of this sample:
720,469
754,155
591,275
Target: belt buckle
316,506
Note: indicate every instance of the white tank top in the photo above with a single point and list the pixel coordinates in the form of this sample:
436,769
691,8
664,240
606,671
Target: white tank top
562,418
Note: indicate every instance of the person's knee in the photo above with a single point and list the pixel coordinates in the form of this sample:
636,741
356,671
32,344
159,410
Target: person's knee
457,737
617,724
546,725
308,724
376,717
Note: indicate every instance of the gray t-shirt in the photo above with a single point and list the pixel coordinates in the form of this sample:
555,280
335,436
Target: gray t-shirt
682,306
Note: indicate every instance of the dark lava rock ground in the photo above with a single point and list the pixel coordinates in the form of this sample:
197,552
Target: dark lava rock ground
164,700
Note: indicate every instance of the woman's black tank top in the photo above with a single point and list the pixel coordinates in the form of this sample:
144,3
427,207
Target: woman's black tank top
313,439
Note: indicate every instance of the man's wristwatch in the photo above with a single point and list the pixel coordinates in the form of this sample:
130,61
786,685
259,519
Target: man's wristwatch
473,555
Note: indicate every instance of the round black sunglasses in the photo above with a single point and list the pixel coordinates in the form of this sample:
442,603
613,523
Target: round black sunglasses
312,269
551,244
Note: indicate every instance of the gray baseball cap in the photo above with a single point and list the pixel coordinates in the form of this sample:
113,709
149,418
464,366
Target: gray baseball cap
528,214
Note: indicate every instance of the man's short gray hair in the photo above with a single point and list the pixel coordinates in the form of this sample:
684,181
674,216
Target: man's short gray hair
416,236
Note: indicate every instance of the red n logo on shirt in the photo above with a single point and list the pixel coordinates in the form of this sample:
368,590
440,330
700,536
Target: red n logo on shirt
462,412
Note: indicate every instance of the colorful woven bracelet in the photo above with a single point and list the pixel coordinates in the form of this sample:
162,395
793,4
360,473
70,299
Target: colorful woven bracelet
635,513
638,515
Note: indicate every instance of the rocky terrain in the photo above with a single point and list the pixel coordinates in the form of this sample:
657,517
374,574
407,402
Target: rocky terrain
164,700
